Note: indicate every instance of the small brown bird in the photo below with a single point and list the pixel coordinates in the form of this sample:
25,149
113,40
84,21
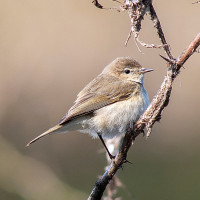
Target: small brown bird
109,104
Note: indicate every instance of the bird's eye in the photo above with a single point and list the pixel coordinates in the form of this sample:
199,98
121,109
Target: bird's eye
127,71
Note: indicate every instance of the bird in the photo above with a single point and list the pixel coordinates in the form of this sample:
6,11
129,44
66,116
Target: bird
109,105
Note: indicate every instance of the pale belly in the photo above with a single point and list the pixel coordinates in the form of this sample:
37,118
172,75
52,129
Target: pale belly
113,120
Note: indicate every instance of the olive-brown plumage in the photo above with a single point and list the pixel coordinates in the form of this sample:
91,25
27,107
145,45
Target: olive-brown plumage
109,104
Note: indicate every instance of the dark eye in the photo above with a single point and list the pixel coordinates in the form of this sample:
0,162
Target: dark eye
127,71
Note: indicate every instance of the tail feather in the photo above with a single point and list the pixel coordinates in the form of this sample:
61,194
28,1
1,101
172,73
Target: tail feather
51,130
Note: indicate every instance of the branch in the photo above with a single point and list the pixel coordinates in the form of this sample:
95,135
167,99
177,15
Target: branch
157,25
147,120
188,52
136,10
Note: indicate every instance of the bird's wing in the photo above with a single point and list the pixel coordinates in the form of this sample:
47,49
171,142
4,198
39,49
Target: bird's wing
101,92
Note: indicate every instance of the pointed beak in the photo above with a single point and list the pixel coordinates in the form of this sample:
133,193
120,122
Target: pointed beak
143,70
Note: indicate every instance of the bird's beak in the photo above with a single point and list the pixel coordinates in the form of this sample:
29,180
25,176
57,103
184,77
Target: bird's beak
143,70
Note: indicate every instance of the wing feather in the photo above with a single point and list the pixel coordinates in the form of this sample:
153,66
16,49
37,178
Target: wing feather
101,92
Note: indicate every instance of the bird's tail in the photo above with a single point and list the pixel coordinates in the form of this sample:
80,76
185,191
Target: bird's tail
51,130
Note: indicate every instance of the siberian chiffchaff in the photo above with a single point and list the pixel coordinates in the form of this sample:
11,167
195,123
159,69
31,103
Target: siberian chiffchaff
109,104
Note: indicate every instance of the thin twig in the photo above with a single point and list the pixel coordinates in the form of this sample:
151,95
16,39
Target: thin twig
136,11
128,38
118,2
157,46
97,4
160,32
100,6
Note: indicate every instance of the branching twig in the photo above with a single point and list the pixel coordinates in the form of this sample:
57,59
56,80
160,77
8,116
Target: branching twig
150,116
157,25
136,11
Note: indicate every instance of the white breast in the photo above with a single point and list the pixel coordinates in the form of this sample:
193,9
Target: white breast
114,119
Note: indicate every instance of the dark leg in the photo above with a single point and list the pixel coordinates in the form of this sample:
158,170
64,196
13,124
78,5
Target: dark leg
110,155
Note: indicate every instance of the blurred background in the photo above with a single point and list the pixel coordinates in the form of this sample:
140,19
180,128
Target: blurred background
49,50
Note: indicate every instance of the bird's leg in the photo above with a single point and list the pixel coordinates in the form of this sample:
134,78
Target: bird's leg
110,155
